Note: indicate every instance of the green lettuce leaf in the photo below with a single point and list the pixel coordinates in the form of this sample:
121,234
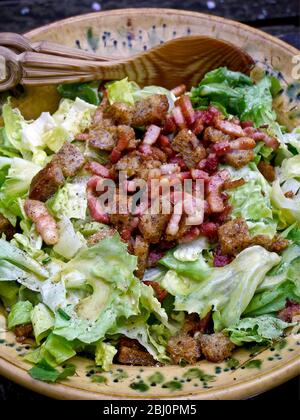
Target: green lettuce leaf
88,92
121,91
104,355
45,372
263,329
32,138
9,291
25,267
196,269
227,290
116,298
191,251
281,283
293,139
287,209
239,96
70,242
129,92
42,321
252,201
16,186
20,314
70,201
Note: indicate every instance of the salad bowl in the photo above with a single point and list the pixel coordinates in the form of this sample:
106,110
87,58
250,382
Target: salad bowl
250,371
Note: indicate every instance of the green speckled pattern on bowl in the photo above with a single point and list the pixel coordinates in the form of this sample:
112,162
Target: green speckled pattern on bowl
248,372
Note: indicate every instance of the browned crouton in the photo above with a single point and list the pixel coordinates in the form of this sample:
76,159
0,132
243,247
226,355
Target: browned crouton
216,347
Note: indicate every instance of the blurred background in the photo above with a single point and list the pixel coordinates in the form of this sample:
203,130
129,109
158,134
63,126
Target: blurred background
277,17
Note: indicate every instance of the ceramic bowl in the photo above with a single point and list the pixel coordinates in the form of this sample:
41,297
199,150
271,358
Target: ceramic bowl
250,371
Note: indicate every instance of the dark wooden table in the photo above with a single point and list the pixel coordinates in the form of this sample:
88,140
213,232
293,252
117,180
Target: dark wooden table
277,17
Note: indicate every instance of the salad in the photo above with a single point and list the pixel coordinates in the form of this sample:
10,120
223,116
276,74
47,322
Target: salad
132,286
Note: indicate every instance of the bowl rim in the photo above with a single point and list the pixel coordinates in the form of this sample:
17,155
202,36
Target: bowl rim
178,12
254,386
262,382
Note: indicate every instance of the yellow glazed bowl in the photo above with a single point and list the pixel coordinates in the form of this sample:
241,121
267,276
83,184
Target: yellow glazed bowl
249,372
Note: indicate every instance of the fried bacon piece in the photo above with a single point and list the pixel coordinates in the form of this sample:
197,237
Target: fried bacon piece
125,135
291,309
258,135
187,109
220,260
96,211
97,169
179,90
210,164
228,127
214,187
44,222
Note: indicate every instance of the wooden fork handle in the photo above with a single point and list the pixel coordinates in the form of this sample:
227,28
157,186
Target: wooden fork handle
20,43
32,68
10,69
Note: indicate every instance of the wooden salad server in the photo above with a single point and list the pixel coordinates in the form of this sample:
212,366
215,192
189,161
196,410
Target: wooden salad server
182,60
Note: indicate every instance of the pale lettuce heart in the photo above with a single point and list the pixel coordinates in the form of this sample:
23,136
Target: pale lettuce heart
226,291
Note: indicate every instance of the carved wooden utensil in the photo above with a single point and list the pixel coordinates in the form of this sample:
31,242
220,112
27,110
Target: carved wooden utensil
182,60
